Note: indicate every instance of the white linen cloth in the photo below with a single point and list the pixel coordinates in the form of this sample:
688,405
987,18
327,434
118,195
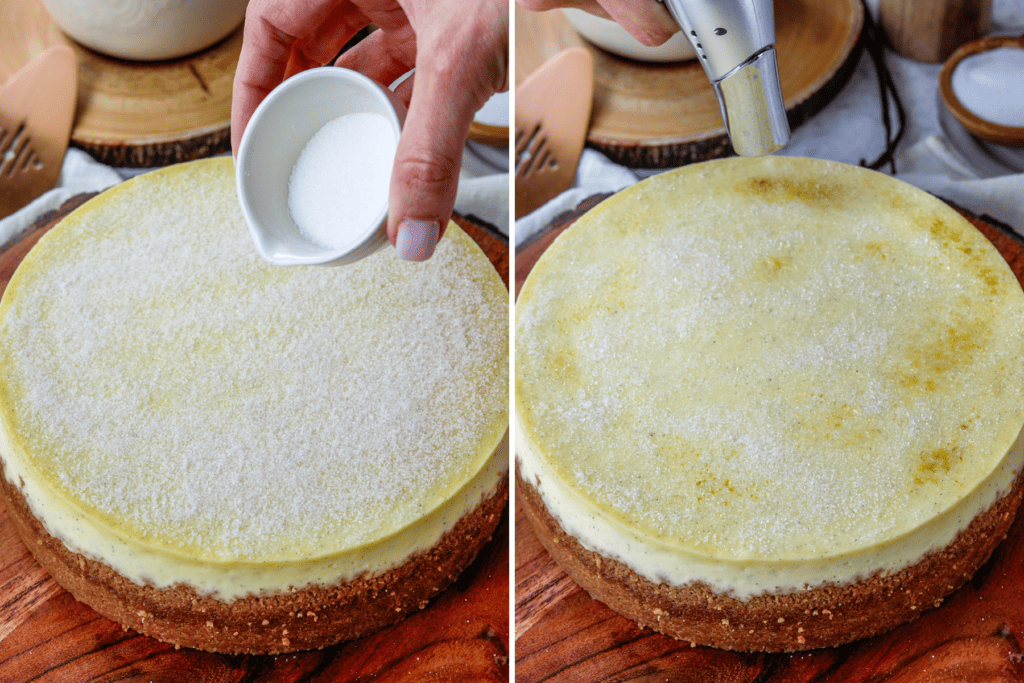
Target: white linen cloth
483,191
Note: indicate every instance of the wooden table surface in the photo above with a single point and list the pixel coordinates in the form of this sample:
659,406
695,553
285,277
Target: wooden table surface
46,636
563,635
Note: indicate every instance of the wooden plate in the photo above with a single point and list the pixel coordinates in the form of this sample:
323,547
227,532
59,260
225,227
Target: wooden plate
562,634
133,114
666,115
49,637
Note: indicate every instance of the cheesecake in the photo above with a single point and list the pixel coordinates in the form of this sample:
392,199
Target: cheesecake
770,404
238,457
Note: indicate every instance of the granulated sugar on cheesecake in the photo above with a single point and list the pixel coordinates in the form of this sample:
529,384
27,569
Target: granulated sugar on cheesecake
187,429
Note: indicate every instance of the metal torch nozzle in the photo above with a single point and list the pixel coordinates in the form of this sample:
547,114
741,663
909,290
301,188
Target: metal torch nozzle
735,43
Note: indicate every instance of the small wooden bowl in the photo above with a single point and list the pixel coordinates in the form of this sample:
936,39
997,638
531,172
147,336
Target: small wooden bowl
984,129
490,126
487,134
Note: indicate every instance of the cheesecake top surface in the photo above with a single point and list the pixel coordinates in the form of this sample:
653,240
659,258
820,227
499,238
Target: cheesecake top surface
770,359
165,382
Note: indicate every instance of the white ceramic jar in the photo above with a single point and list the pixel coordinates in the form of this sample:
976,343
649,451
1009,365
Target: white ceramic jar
147,29
608,35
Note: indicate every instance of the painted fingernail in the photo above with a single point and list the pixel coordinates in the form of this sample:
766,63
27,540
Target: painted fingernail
416,239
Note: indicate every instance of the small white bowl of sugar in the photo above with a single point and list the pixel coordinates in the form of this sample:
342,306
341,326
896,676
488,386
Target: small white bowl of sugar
314,167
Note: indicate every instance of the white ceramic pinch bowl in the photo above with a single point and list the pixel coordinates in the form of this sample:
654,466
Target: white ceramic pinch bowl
273,139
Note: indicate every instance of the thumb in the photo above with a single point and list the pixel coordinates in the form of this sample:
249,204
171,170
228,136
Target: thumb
426,171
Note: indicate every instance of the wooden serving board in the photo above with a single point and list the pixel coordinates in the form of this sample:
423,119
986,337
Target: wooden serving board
133,114
665,115
46,636
562,634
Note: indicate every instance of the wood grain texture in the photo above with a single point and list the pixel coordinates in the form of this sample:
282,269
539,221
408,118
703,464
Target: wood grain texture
46,636
930,30
665,115
540,584
133,114
564,635
41,98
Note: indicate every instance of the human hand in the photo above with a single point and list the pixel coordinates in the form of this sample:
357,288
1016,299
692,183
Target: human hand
459,49
646,20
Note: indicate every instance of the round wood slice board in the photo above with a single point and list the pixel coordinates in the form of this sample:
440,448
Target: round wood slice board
665,115
564,635
133,114
46,635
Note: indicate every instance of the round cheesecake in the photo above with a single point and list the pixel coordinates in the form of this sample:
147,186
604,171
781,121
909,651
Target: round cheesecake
239,457
770,404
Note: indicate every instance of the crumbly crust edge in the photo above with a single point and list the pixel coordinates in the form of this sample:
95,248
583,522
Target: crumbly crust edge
824,616
299,619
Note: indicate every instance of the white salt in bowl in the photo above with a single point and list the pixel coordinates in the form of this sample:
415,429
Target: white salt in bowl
980,91
273,139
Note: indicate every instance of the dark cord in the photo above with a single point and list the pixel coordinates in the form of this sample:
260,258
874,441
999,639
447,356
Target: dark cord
874,42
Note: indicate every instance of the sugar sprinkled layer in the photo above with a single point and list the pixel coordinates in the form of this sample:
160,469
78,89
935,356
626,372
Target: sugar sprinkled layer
770,366
197,398
339,183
